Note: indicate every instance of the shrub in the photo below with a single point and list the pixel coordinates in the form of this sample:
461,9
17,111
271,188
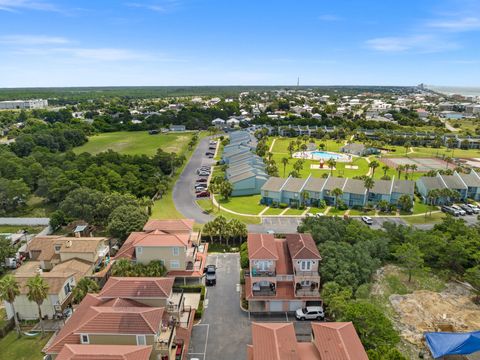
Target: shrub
244,262
242,277
282,205
245,304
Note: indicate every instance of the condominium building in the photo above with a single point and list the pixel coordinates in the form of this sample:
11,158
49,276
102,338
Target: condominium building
23,104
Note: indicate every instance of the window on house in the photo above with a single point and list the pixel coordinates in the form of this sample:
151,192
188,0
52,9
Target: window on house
57,248
139,250
175,264
141,340
264,265
305,265
84,339
67,288
176,251
305,283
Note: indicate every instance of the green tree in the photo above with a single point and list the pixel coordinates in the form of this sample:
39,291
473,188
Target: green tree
331,163
226,189
9,290
405,202
284,163
37,293
291,148
337,192
400,169
126,219
410,256
6,249
237,230
13,194
305,196
369,183
84,286
385,169
373,165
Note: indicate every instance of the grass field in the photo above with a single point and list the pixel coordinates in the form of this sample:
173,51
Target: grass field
23,348
421,219
135,143
14,229
206,204
273,211
243,204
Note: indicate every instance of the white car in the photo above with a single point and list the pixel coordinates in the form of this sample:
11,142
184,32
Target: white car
367,220
310,313
459,209
475,208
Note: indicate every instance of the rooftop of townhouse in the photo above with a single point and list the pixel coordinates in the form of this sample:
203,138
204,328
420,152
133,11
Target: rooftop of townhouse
453,181
110,352
471,180
330,341
274,184
137,288
354,186
432,183
170,226
302,247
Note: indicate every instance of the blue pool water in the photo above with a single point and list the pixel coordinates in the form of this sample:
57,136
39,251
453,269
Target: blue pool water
326,155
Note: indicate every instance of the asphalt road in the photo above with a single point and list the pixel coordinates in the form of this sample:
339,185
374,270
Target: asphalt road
183,193
225,330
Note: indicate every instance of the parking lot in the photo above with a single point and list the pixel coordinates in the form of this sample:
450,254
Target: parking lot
224,331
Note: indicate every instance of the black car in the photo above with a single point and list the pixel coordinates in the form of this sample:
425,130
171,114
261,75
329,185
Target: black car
467,209
210,275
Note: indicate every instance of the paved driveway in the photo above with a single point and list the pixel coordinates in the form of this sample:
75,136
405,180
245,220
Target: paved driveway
224,331
183,193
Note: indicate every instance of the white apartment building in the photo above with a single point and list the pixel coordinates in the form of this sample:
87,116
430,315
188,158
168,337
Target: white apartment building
23,104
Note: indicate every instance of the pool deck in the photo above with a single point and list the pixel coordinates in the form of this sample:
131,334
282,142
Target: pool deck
317,155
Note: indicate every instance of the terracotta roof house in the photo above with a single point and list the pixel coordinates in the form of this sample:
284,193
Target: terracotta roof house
283,274
119,322
170,241
62,262
330,341
104,352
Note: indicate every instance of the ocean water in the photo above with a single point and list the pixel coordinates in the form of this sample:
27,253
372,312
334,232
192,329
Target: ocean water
449,90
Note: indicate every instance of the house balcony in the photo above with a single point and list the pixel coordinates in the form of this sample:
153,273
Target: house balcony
306,274
175,303
306,290
264,289
164,342
262,273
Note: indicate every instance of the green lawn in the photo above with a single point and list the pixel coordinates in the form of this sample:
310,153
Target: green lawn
243,204
14,229
206,204
22,349
335,212
273,211
135,142
355,212
294,212
399,151
421,219
315,210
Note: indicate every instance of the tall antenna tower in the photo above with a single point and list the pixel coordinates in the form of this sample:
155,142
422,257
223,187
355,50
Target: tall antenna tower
298,81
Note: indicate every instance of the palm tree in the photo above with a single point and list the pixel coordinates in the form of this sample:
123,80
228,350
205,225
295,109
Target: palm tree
385,169
322,146
285,163
451,143
414,168
432,198
400,168
337,192
269,155
220,224
238,230
291,148
369,184
212,188
123,267
83,287
209,230
38,292
407,145
407,167
9,290
447,160
305,197
331,165
373,165
298,166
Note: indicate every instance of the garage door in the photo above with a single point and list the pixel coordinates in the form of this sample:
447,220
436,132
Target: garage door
276,305
294,305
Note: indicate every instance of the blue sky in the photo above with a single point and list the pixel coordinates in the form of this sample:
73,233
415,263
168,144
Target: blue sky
239,42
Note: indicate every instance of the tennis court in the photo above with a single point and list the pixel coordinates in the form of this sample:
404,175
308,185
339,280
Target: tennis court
423,164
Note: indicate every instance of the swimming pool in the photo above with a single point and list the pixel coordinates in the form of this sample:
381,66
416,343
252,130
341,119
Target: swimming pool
319,155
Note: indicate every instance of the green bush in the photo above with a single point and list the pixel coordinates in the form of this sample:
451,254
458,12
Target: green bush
244,262
282,205
242,276
245,304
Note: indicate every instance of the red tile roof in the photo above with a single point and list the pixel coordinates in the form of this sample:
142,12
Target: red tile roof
302,246
261,247
170,226
95,315
274,341
338,341
104,352
284,263
154,238
137,287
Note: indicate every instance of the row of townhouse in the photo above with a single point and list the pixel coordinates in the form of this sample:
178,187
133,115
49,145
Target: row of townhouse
467,185
283,273
329,341
291,191
61,262
246,170
131,318
174,243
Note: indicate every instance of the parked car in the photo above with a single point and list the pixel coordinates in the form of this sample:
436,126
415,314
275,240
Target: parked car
310,313
210,275
204,173
208,153
202,180
467,209
367,220
459,209
475,208
203,194
450,210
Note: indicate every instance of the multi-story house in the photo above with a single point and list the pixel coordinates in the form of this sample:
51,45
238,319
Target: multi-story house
467,185
283,273
173,242
329,341
61,262
110,352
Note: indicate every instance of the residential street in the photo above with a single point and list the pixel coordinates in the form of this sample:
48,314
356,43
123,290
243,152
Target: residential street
224,330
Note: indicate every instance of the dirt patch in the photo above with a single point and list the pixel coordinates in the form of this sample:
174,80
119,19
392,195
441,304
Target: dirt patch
431,311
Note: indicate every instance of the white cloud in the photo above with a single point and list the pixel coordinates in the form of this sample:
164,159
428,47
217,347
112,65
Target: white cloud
457,25
157,6
32,40
17,5
418,43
